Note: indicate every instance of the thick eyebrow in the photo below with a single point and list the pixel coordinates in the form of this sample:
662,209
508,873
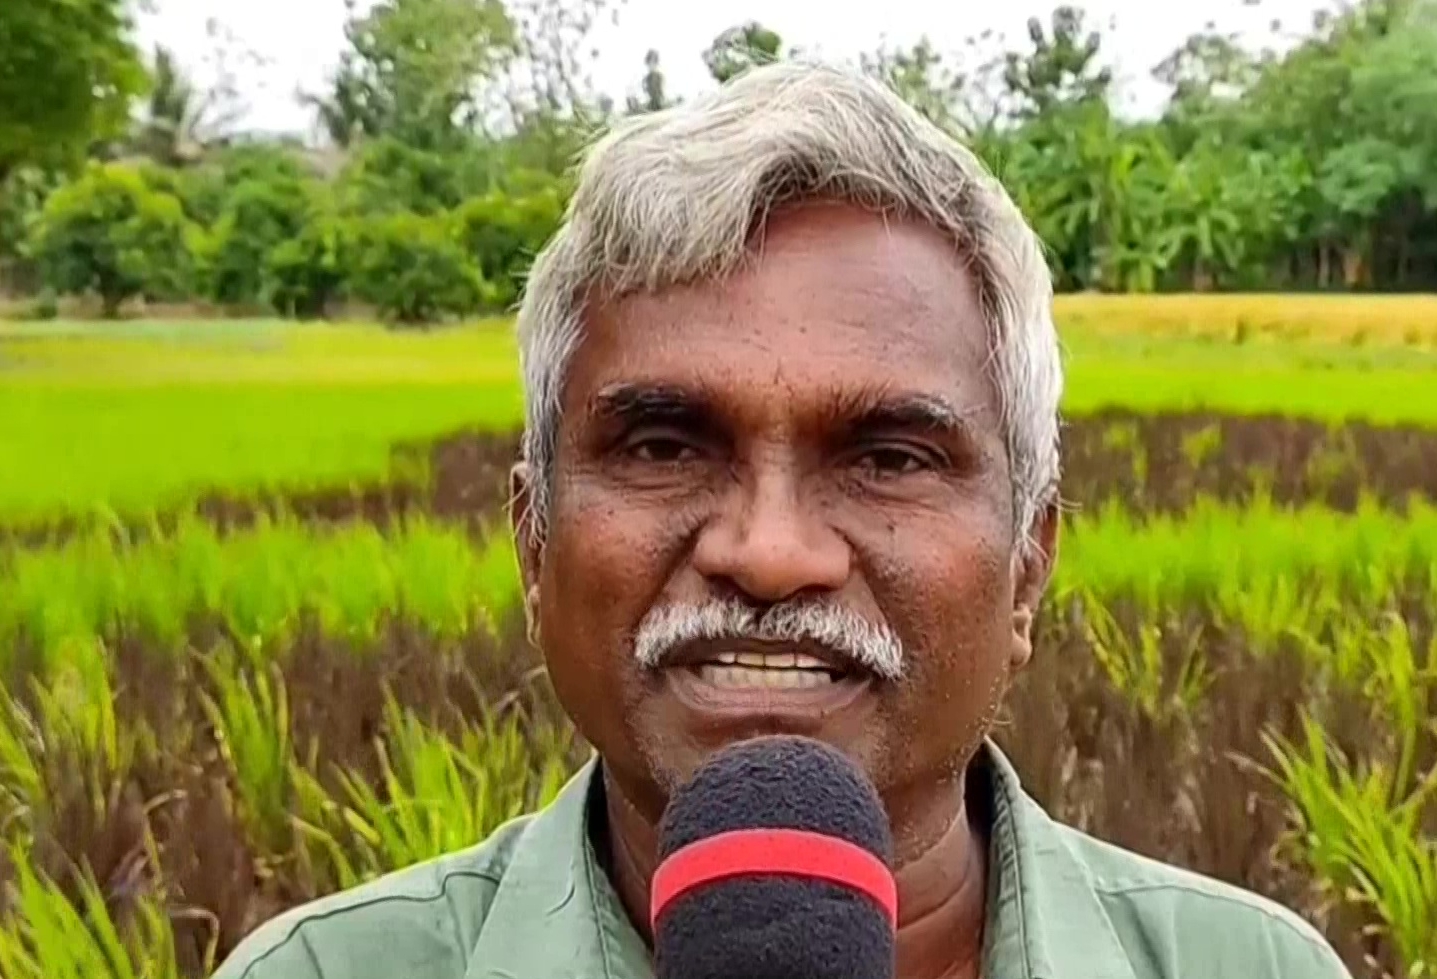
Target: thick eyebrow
925,412
629,403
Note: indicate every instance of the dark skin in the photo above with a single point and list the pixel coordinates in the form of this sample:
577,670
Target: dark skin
819,425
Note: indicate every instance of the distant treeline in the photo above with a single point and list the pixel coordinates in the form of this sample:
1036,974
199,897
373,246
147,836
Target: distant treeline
450,127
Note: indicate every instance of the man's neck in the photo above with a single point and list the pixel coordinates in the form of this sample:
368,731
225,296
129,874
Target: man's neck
942,877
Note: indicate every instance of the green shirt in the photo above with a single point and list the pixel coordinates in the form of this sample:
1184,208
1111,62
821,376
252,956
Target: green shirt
531,902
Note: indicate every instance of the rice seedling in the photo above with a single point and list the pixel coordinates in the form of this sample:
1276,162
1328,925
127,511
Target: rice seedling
250,719
1360,829
437,793
257,586
47,934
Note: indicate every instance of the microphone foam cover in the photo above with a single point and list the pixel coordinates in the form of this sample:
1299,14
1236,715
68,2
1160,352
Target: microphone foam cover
775,926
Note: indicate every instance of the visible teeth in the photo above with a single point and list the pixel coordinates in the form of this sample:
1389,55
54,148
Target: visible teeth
765,677
772,661
769,661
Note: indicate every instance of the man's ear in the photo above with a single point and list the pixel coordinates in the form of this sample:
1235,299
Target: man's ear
1032,569
527,543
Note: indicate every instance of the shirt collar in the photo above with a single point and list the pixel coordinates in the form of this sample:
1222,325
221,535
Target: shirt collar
1045,920
556,915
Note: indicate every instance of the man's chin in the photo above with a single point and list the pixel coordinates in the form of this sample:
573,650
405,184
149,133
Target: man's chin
688,721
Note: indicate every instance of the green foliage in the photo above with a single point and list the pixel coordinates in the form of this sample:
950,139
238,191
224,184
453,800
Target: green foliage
413,269
503,232
415,69
1060,70
740,48
67,74
387,176
436,793
110,232
205,188
307,272
55,936
259,215
22,195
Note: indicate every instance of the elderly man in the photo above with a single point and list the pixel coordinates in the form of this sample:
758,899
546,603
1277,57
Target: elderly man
793,386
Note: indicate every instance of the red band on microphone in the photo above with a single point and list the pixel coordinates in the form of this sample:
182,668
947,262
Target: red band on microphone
789,852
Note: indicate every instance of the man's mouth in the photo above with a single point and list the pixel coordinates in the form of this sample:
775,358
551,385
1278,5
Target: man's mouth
797,687
767,671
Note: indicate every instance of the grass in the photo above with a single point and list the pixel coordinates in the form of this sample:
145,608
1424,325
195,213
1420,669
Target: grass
138,416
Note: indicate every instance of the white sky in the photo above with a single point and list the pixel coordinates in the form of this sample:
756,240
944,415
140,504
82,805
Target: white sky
299,40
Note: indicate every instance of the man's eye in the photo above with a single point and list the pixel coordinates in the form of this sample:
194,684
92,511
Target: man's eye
662,450
894,461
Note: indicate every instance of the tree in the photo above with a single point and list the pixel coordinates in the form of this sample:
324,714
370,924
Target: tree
413,269
182,121
654,97
953,92
740,48
415,70
67,74
259,215
1061,69
110,232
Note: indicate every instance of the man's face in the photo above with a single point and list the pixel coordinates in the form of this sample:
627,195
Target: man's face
819,429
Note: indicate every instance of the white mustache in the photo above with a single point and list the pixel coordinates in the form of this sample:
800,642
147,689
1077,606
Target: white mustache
873,646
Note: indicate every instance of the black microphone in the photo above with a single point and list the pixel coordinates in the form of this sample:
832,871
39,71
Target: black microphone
775,862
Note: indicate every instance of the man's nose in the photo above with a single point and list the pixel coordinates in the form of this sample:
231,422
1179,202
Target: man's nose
769,543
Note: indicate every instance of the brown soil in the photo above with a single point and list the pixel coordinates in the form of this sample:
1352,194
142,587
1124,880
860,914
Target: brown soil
1161,463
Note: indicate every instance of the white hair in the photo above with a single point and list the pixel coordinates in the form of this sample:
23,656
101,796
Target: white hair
675,196
871,645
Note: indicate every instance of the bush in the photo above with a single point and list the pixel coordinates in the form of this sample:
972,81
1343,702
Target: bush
261,213
113,234
304,274
503,233
385,176
22,194
413,269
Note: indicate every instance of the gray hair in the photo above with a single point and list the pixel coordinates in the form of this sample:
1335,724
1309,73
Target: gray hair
674,196
871,645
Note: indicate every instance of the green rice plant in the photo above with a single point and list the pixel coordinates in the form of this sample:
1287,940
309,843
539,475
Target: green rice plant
1361,826
260,583
243,407
69,745
1138,669
1359,829
1215,556
1399,684
249,714
22,781
1203,445
47,935
435,795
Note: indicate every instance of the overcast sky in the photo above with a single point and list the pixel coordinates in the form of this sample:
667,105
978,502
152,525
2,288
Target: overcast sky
299,40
